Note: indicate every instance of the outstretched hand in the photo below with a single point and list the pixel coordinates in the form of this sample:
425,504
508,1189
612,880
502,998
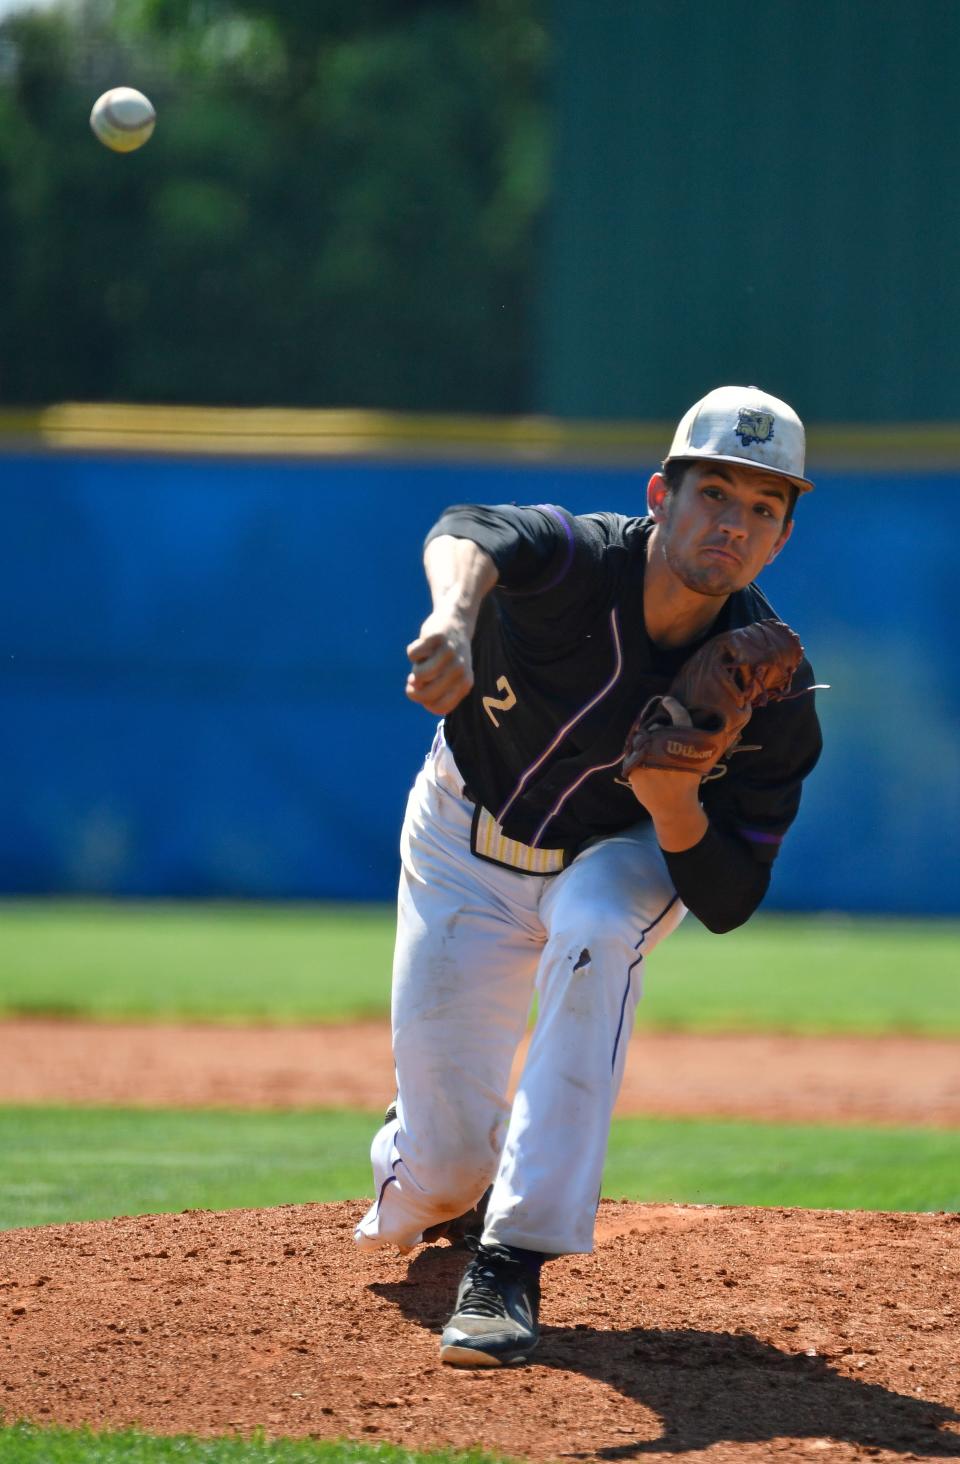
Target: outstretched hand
442,673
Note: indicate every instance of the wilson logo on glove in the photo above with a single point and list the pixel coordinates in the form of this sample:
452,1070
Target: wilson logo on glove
687,749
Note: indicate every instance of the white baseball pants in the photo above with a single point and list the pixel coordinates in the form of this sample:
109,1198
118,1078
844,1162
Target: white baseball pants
474,940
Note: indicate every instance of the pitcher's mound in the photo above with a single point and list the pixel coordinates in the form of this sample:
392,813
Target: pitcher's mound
749,1334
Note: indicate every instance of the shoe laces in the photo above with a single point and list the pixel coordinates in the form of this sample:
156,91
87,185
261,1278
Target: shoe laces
485,1276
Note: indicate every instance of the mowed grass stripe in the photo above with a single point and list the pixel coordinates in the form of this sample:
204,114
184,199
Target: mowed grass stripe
25,1444
71,1164
66,1164
246,962
828,1167
290,964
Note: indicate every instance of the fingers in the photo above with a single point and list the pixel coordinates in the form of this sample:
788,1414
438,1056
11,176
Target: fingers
660,788
443,691
441,707
425,647
442,673
431,656
438,703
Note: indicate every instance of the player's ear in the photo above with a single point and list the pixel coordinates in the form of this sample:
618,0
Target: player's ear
785,533
657,491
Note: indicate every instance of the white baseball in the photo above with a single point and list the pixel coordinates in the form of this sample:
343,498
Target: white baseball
123,119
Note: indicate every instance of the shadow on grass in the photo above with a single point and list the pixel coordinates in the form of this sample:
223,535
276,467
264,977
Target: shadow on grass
706,1387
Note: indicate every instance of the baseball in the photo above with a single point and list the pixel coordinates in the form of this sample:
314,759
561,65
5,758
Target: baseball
123,119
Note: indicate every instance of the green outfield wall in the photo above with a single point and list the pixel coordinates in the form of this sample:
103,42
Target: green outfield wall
758,194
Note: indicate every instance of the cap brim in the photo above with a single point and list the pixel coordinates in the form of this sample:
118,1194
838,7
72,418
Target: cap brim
803,485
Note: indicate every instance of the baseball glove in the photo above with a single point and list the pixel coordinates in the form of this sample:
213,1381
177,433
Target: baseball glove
712,698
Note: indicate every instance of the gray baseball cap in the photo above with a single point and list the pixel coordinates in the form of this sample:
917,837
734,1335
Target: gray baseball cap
742,424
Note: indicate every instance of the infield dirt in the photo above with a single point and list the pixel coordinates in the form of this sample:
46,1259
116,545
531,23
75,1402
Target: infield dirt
895,1080
725,1334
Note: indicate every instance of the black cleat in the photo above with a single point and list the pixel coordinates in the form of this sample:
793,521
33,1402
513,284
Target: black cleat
495,1321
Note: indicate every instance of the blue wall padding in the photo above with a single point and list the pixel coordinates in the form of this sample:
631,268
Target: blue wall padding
203,667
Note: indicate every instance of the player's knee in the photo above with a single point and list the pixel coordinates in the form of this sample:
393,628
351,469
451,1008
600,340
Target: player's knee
455,1160
585,971
455,1183
603,928
594,942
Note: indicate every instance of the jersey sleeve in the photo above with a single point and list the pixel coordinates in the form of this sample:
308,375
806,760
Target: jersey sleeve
718,880
759,797
537,550
724,877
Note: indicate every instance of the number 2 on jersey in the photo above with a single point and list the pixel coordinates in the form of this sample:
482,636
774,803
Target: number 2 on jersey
501,704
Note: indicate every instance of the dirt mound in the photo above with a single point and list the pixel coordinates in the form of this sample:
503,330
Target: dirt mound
895,1080
752,1334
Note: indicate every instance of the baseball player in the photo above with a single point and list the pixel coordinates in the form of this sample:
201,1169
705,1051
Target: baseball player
530,863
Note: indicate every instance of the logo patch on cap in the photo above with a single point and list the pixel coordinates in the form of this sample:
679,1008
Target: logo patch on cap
753,426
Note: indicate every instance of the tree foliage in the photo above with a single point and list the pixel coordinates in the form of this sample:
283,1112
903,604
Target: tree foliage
339,205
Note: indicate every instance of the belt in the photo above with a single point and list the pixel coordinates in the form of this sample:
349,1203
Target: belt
488,841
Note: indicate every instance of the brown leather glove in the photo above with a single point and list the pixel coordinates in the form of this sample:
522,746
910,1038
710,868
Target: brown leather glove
712,698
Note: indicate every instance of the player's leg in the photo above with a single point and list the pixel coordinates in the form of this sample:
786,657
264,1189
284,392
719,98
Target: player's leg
468,943
603,916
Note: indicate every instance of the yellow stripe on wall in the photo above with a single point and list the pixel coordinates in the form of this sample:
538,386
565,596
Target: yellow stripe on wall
319,433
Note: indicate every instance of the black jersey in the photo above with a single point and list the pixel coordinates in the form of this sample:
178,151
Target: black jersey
563,664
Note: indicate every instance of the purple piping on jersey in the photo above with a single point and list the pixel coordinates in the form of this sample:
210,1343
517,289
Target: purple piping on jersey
758,836
549,508
568,726
601,767
630,970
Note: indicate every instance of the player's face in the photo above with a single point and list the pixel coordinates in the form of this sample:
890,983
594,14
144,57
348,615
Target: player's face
722,524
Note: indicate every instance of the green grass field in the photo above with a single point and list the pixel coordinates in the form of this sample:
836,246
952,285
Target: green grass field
69,1164
251,963
23,1444
61,1164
